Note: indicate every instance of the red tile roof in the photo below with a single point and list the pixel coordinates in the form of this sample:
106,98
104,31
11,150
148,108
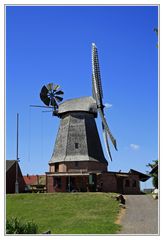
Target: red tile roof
30,179
34,179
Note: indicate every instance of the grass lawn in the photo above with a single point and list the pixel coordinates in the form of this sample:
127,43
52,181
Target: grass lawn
66,213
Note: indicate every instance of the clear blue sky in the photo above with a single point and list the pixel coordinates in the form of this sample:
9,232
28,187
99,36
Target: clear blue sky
53,44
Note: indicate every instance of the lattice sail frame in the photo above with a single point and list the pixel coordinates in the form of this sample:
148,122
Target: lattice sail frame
97,93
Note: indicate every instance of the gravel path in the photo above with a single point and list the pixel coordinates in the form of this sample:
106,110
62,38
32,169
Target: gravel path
141,215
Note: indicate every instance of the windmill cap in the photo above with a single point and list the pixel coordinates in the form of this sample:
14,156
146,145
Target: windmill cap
82,104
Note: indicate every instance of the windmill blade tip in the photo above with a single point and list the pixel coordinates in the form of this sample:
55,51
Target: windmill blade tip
115,144
116,147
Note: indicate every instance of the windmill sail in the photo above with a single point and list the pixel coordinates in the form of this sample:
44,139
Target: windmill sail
113,140
96,78
106,142
50,95
98,96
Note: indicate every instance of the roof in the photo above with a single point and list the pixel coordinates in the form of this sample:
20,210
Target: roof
68,174
9,164
30,179
86,104
143,177
122,174
34,179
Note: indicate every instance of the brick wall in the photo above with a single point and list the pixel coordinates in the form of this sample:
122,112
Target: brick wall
52,168
51,187
77,166
49,184
78,183
134,185
108,182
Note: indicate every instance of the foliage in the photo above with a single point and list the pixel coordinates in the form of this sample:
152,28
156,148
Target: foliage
17,226
155,174
155,180
153,164
156,31
67,213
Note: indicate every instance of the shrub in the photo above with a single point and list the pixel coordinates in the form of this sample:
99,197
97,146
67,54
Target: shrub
17,226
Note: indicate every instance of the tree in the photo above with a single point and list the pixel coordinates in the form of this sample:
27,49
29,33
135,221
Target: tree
154,172
156,31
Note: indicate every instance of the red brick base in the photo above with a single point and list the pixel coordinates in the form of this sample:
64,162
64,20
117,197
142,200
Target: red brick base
105,182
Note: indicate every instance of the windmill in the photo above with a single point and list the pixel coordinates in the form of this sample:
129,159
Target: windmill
77,146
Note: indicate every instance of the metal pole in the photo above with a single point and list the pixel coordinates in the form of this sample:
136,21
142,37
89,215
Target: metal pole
17,134
17,157
69,184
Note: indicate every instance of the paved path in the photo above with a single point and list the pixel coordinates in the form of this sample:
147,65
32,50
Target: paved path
141,215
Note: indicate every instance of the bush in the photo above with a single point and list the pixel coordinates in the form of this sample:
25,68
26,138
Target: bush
17,226
155,180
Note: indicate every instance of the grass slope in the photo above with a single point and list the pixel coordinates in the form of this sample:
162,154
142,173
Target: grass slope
66,213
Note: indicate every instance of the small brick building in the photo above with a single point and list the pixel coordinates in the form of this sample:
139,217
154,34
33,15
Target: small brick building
121,182
11,177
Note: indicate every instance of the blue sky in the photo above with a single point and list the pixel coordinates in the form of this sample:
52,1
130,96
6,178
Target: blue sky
53,44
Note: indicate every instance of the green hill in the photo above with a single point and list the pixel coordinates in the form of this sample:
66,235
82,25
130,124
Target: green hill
66,213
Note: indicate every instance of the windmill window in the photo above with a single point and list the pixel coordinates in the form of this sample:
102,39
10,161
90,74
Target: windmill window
76,164
76,145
